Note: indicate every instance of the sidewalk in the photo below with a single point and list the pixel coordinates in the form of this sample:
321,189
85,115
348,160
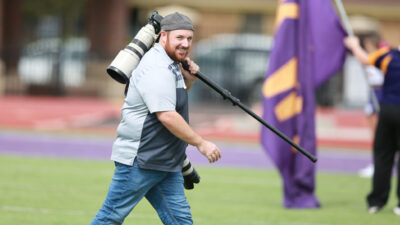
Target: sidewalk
342,128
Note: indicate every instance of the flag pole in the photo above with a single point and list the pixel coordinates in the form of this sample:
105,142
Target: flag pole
349,29
344,17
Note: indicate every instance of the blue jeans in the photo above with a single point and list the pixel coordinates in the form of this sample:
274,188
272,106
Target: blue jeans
164,191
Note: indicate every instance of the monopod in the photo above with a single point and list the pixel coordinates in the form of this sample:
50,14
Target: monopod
236,102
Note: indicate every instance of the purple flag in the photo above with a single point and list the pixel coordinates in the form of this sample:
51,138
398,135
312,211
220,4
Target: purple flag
308,49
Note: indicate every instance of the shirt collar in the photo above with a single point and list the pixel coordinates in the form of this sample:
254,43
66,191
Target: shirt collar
161,50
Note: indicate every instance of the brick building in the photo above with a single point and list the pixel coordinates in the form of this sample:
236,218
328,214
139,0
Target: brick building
109,25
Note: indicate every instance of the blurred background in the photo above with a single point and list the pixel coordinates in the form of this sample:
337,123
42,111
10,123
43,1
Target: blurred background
56,100
62,48
54,55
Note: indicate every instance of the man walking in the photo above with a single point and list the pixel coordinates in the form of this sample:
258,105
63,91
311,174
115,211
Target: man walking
154,132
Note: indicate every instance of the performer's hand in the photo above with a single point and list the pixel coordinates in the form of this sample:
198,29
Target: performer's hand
351,42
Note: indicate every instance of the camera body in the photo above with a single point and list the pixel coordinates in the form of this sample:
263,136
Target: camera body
127,59
190,175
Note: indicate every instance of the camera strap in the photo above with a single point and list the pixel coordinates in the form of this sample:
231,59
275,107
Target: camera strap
126,87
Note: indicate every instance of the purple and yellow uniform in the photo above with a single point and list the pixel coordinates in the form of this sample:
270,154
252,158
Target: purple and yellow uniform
388,60
387,134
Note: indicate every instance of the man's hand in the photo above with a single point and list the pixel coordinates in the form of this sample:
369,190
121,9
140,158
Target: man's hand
209,150
188,76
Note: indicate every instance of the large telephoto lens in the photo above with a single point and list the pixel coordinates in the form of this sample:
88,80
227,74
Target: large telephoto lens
127,59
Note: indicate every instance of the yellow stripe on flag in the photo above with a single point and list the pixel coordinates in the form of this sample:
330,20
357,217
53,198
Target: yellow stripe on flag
286,11
282,80
290,106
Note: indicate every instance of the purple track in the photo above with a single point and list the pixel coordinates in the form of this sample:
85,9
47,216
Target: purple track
234,155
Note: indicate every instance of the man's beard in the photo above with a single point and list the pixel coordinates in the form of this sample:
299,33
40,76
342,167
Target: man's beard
173,52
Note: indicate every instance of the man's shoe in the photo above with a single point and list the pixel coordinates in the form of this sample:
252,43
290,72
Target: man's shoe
373,209
397,210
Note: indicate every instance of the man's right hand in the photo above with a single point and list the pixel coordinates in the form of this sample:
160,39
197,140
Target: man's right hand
209,150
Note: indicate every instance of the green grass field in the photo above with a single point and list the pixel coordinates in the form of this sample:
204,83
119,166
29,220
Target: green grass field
43,191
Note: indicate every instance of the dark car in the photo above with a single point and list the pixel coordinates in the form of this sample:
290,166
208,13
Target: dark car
237,62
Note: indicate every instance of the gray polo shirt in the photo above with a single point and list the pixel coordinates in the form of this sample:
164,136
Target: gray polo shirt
156,85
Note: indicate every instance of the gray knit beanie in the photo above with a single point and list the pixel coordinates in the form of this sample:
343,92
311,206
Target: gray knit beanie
176,21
